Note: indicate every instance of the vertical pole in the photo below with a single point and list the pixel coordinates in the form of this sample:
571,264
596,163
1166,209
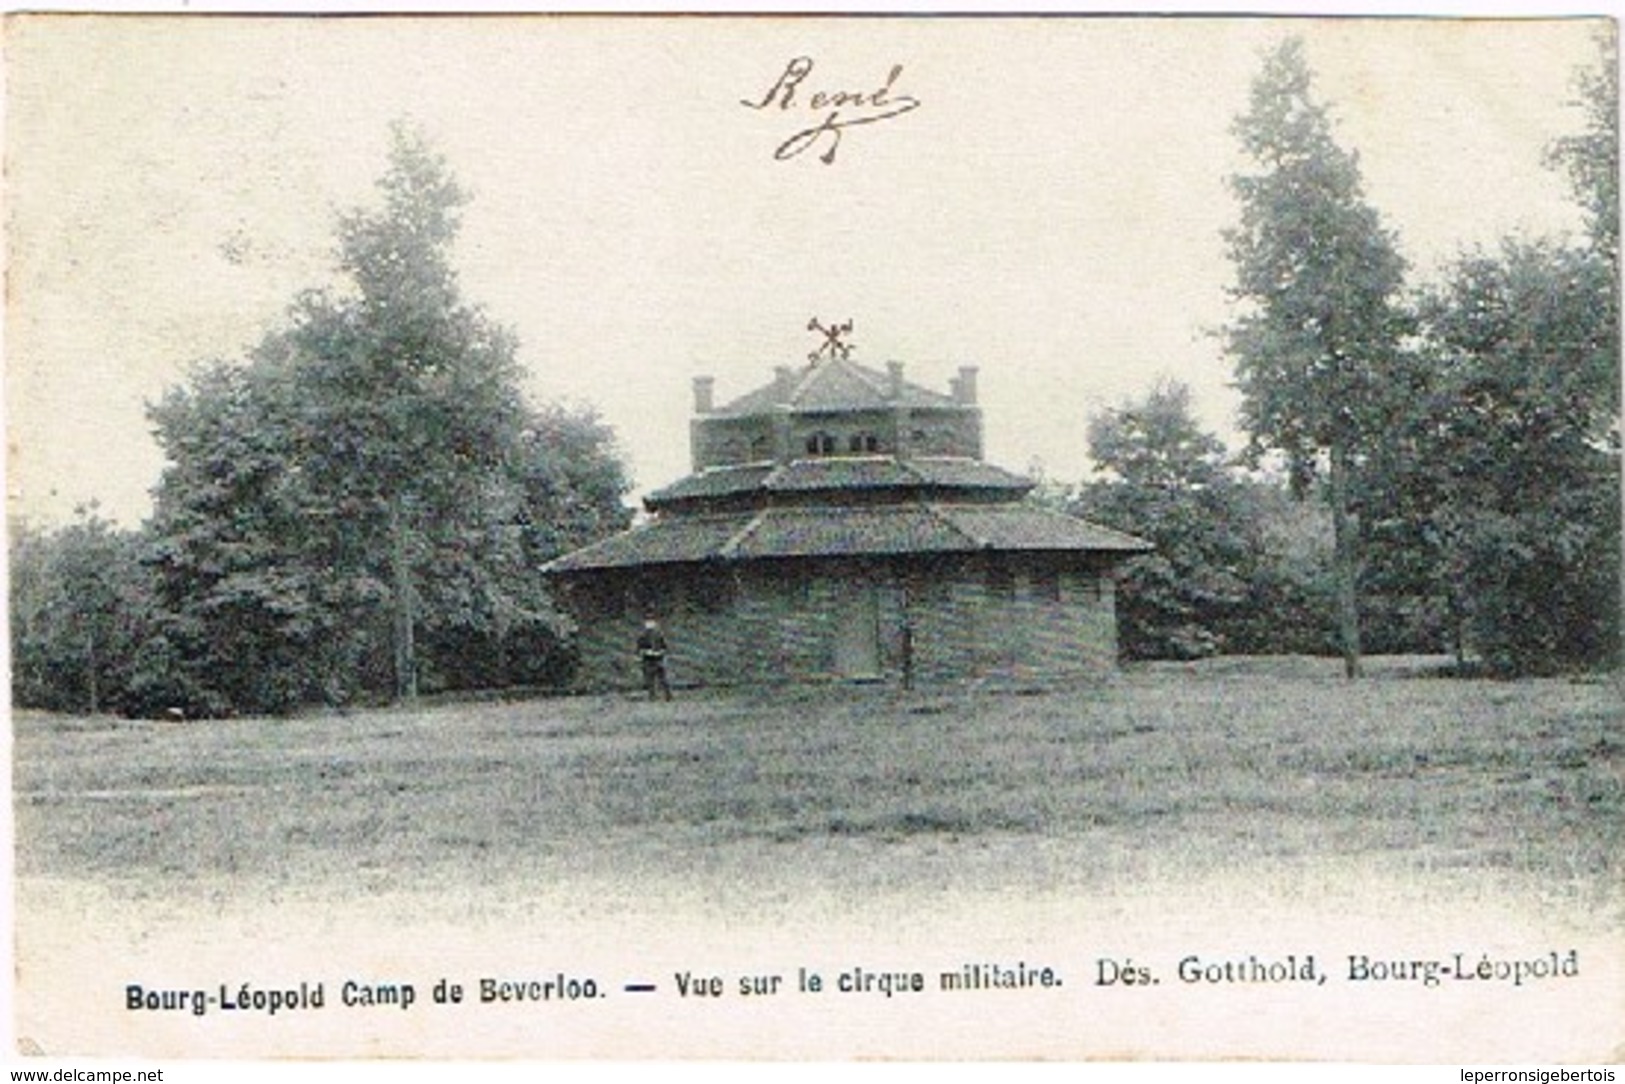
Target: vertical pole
406,669
90,672
1346,573
906,600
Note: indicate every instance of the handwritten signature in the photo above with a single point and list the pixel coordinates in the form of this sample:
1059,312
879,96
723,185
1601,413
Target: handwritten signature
860,107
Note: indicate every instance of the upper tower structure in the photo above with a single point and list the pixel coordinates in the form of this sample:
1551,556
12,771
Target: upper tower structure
836,407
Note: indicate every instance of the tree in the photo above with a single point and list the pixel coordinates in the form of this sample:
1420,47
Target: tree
368,482
238,545
1502,476
1166,481
1591,156
1516,480
81,616
1591,160
1318,278
1290,604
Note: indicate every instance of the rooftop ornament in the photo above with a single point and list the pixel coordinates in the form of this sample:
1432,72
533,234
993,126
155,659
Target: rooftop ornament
832,343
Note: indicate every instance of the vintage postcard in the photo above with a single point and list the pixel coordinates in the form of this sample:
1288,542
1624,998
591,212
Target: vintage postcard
827,537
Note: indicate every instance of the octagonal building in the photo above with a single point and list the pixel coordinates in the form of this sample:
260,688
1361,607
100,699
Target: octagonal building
840,524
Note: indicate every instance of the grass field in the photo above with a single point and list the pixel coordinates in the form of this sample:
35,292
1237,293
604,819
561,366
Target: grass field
1232,807
1163,771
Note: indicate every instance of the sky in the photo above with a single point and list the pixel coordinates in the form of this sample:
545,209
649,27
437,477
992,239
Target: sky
1051,210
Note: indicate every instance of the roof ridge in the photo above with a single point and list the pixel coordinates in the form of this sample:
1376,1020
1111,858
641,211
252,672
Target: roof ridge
590,547
801,385
878,381
1058,514
731,547
942,514
818,370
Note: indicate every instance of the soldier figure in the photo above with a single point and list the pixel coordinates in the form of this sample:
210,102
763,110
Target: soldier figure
652,654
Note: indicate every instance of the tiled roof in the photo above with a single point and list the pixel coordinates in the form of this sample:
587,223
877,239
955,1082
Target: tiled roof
714,482
836,384
967,473
670,540
841,472
1030,527
844,531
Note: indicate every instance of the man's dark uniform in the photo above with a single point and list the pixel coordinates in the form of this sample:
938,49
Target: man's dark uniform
652,653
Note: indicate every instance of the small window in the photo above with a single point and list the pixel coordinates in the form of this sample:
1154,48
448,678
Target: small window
863,442
820,444
1001,582
1047,584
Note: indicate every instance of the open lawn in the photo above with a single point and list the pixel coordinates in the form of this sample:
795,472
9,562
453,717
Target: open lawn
1193,767
1226,809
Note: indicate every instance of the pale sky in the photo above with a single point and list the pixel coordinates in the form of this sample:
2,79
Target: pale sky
1051,211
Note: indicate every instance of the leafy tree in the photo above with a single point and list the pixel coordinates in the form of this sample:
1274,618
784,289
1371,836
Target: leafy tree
1290,603
1591,156
362,503
81,616
1318,280
1165,480
1591,159
236,551
1516,478
1501,479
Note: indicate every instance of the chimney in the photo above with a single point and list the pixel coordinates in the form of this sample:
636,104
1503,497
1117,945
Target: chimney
964,386
894,386
784,382
704,387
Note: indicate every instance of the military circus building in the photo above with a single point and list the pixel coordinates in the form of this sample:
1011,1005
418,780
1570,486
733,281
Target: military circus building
840,524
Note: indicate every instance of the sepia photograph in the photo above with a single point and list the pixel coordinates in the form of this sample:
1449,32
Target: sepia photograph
822,537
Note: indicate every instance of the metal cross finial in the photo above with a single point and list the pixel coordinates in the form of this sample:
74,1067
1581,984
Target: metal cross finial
832,340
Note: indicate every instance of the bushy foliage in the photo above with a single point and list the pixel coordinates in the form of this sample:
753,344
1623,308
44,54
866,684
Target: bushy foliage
87,634
1165,481
1469,442
362,505
1517,493
357,509
1502,478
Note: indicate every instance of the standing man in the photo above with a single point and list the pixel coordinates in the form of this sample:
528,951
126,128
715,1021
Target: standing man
652,653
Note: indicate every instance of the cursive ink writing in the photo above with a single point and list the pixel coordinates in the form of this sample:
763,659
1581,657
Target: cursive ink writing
862,107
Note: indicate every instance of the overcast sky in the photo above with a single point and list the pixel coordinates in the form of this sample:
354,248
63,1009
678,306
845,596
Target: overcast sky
1051,211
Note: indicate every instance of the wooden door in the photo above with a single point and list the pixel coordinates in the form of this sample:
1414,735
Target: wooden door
857,631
